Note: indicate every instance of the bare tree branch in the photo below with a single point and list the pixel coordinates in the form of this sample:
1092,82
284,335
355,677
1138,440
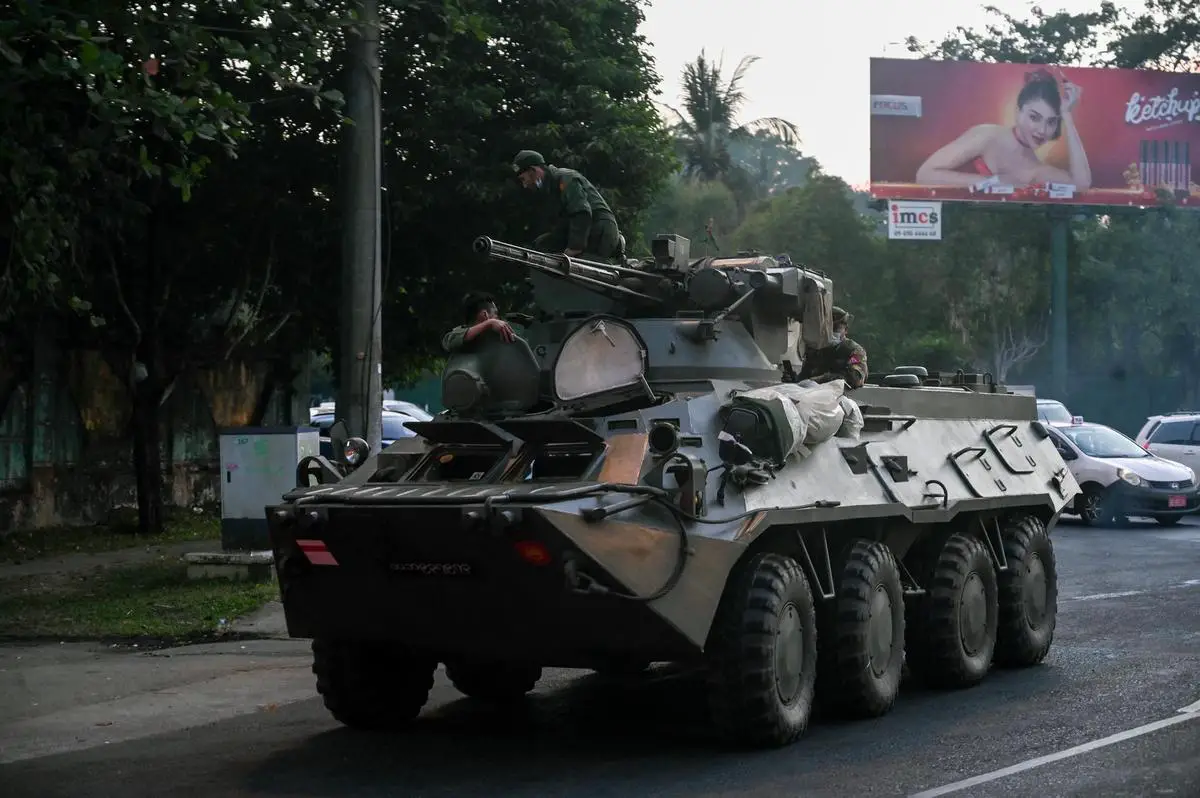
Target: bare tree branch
1012,349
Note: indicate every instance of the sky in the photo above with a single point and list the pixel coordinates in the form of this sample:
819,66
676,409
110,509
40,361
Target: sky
814,57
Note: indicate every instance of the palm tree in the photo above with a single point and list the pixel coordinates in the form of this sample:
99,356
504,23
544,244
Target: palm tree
710,123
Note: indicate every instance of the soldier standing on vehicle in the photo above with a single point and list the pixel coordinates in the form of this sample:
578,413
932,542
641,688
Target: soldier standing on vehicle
480,315
585,223
843,358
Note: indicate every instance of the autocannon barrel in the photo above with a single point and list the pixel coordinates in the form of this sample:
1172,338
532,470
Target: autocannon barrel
543,261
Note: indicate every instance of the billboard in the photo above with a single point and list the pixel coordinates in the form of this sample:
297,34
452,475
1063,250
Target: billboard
983,132
909,219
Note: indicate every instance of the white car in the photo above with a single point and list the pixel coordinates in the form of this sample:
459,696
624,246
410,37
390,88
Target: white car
1118,478
1053,411
1175,436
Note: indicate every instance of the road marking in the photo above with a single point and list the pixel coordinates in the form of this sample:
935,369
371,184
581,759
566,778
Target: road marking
1127,593
1190,712
1100,596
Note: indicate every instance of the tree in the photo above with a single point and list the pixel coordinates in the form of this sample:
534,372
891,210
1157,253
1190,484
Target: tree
709,125
114,114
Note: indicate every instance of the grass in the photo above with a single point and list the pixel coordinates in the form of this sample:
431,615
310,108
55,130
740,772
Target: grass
152,603
180,526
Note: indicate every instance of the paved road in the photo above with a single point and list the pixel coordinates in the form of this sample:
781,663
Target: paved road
1127,654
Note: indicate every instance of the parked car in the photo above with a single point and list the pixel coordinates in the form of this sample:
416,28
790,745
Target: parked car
1175,436
1053,411
408,409
1118,478
393,429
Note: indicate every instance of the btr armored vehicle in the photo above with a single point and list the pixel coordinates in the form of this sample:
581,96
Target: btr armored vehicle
630,481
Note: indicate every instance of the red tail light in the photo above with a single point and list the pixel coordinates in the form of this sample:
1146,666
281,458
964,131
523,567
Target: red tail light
532,552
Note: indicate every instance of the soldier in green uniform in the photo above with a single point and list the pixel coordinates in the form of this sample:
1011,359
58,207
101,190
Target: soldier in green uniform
843,358
480,315
585,223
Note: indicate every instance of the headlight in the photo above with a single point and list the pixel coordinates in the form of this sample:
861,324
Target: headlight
1129,476
356,451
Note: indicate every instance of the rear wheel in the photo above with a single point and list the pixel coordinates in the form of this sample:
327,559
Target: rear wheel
371,686
763,654
953,626
862,657
493,681
1028,594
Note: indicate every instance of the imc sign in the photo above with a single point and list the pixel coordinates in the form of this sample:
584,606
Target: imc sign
915,219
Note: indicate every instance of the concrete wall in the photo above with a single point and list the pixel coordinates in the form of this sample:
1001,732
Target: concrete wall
65,454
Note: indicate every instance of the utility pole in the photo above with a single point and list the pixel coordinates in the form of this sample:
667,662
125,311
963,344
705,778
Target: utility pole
1060,230
360,383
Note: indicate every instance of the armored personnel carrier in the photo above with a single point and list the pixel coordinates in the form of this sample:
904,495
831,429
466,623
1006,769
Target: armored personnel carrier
631,482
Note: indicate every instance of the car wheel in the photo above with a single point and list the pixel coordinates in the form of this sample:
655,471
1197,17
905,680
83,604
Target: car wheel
1094,508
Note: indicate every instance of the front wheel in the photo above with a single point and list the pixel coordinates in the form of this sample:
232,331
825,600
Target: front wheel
1028,593
1096,508
763,654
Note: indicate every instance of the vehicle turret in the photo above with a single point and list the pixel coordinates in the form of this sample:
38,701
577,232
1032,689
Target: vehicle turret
682,323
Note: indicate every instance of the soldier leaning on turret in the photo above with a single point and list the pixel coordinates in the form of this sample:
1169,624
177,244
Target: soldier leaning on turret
480,314
843,358
585,222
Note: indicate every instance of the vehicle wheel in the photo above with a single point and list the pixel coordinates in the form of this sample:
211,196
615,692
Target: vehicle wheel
371,686
763,654
1028,594
1168,520
1094,508
862,658
493,681
953,626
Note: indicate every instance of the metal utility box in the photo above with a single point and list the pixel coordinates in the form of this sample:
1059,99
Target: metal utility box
258,466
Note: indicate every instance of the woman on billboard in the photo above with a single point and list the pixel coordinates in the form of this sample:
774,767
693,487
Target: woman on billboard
1008,155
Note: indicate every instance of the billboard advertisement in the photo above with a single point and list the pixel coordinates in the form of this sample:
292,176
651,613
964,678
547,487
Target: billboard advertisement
983,132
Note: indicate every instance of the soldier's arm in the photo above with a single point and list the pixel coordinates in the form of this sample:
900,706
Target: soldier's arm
453,340
856,367
577,209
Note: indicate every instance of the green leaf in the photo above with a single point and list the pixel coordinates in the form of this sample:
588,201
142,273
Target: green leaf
89,53
9,53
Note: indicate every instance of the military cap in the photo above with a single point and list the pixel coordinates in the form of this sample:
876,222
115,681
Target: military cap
527,158
840,316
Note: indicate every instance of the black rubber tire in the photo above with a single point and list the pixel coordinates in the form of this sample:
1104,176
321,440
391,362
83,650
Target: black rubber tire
855,688
371,686
1168,520
498,682
1026,630
936,651
744,664
1094,508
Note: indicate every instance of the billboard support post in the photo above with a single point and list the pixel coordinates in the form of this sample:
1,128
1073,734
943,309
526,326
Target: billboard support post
1059,230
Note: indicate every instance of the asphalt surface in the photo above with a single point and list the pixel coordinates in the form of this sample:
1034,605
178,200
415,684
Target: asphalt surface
241,720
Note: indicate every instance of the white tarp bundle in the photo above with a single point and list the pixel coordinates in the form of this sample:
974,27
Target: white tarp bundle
814,412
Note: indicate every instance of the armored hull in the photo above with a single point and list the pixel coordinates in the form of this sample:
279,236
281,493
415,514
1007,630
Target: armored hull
796,542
